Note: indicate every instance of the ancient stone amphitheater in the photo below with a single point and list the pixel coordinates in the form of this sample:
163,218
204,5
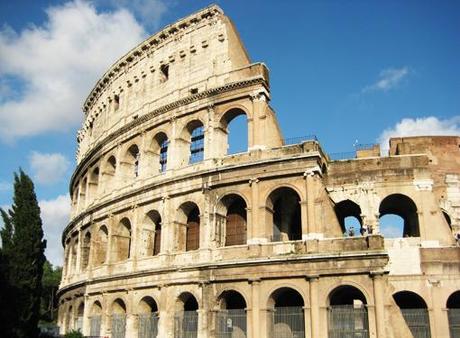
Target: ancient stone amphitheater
171,236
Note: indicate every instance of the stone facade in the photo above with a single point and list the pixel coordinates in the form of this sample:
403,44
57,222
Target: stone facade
170,236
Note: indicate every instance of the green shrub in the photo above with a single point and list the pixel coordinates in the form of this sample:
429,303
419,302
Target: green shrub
74,334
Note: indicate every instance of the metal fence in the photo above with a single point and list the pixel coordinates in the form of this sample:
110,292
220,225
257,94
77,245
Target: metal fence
231,324
148,325
95,326
454,322
348,321
299,139
418,322
288,322
186,324
118,325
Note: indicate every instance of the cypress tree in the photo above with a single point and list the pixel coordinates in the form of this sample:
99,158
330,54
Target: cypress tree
24,246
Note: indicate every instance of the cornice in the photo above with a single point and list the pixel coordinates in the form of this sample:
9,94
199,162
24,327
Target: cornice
155,41
161,110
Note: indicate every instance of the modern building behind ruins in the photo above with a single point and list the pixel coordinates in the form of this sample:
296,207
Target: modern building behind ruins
172,237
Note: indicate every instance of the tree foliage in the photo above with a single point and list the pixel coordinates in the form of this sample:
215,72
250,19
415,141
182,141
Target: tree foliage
22,260
50,284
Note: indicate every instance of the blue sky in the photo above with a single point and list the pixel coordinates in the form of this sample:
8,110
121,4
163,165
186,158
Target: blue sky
342,70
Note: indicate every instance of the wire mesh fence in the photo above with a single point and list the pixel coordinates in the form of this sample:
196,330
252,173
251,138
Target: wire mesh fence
287,322
118,326
454,322
148,326
418,322
299,139
186,324
231,324
348,321
94,326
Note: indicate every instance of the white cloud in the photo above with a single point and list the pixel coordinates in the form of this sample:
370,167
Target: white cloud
388,78
422,126
55,215
57,64
48,168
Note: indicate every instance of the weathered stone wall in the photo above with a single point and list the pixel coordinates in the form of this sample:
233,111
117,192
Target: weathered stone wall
155,205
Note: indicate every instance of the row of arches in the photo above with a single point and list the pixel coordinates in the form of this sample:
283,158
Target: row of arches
283,209
347,314
231,214
155,157
398,217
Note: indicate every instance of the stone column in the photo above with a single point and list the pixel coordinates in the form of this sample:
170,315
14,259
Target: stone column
253,318
439,321
314,306
203,312
256,227
136,229
257,127
379,290
312,230
78,262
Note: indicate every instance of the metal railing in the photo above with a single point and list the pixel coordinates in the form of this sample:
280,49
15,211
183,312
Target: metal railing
95,326
148,325
454,322
299,139
288,322
186,324
118,325
231,323
418,322
348,321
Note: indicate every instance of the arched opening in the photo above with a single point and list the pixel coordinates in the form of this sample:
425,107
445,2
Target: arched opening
108,174
447,219
231,318
284,205
68,320
148,318
102,238
235,220
453,313
118,319
235,124
415,313
79,318
349,217
93,183
132,161
85,250
347,313
84,183
189,215
95,319
151,233
160,149
287,317
196,138
404,215
122,240
186,316
73,257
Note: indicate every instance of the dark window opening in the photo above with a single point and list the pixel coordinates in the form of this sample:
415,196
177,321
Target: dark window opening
236,226
349,217
163,155
197,145
285,205
116,102
193,230
164,73
288,315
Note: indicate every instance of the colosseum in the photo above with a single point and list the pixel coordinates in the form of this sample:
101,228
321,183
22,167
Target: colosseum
172,236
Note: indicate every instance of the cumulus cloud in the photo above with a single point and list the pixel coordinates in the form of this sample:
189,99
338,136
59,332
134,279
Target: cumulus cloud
55,65
388,79
55,215
48,168
422,126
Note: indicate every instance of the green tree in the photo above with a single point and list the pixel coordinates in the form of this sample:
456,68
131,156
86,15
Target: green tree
24,246
50,284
